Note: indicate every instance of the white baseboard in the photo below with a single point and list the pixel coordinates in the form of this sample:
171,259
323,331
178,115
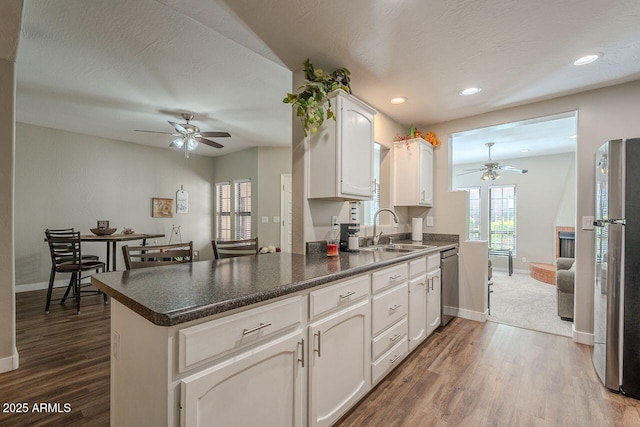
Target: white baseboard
10,363
582,337
473,315
41,285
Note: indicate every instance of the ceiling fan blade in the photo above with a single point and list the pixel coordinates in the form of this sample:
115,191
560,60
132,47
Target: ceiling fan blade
153,131
210,143
512,169
215,134
475,170
178,127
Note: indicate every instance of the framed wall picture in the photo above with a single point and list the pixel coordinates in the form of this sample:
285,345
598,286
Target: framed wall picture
161,208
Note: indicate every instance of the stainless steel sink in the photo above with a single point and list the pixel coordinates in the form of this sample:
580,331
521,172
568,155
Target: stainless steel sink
397,247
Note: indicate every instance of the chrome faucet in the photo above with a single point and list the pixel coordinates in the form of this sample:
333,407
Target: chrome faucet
376,238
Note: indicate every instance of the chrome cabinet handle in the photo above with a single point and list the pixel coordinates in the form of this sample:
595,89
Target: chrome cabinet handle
319,345
347,295
257,328
301,360
395,307
397,356
395,337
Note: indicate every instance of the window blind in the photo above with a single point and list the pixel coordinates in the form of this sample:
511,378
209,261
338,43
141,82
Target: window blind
502,218
242,190
223,211
474,212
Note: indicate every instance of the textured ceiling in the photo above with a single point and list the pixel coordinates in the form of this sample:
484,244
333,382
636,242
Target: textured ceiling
106,68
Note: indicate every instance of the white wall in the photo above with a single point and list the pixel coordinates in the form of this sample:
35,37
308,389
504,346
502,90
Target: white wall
603,114
65,179
540,195
10,23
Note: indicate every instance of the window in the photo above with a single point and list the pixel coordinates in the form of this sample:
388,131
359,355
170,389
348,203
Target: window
502,218
238,214
242,190
223,211
474,212
371,207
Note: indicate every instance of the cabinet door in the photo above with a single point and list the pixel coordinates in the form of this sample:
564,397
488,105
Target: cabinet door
433,301
426,174
356,143
339,363
261,387
417,311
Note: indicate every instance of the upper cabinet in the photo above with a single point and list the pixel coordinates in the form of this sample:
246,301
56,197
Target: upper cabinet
413,173
341,152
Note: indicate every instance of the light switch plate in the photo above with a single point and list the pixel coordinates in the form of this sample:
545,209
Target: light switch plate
587,223
429,221
276,219
334,222
265,219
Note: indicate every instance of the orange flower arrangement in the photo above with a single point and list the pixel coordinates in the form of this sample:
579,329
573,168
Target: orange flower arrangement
432,139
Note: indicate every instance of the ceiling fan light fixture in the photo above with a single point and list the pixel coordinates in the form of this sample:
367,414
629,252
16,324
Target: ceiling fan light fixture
178,143
494,175
192,144
486,176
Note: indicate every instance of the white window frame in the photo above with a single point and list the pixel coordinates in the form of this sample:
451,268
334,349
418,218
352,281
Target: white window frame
474,215
242,215
234,231
512,232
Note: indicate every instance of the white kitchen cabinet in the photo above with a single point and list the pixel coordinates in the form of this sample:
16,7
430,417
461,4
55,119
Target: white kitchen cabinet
339,362
433,301
417,311
341,152
262,386
413,173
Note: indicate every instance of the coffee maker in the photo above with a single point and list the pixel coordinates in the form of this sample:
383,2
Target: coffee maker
349,241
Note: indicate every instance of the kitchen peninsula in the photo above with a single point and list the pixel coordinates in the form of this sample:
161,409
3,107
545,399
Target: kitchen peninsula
273,339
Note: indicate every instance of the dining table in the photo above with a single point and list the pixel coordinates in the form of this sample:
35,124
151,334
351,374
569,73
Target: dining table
111,241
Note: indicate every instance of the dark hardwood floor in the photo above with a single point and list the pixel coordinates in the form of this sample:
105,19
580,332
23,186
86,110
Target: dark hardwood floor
467,374
64,358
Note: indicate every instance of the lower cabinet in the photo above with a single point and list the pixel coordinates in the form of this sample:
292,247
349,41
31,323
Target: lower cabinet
417,311
434,307
262,386
339,362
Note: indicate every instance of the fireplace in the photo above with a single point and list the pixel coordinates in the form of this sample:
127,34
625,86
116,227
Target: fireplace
565,242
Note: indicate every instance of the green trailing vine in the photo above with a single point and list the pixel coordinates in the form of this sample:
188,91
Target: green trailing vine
311,103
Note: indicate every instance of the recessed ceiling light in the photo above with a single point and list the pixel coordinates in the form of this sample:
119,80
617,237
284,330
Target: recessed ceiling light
573,136
587,59
470,91
399,100
526,150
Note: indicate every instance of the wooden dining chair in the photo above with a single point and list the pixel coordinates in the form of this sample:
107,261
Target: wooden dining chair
153,256
234,248
66,257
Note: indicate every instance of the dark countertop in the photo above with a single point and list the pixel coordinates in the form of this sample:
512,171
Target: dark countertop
174,294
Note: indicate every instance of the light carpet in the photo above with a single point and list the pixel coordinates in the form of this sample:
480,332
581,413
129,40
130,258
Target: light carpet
524,302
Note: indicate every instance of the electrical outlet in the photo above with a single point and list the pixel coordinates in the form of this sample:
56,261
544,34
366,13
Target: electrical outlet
276,219
524,259
334,222
429,221
587,223
265,219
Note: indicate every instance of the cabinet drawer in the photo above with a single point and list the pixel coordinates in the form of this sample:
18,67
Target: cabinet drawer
417,267
389,360
389,307
389,338
389,277
207,340
433,262
338,295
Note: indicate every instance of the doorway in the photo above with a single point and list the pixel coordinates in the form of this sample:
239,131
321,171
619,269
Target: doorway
521,180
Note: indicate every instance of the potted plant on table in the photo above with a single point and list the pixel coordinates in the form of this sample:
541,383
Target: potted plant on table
311,102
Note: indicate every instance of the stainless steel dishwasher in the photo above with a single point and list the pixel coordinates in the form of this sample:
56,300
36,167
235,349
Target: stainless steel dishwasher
450,293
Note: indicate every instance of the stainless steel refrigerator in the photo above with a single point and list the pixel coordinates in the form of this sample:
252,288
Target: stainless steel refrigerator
616,350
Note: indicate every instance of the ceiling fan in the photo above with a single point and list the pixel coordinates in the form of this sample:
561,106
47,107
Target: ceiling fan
490,168
189,135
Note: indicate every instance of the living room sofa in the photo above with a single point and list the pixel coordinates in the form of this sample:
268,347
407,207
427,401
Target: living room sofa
565,274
